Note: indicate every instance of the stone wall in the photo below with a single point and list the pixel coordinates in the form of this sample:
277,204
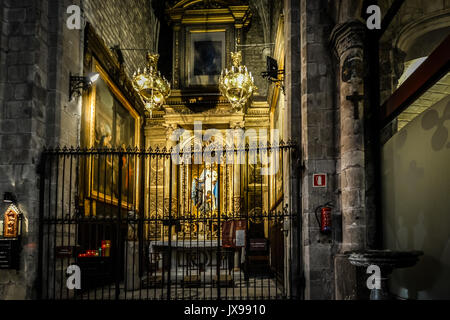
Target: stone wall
253,56
293,130
124,23
24,81
320,145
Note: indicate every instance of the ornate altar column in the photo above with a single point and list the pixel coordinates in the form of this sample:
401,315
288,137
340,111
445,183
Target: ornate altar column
155,138
236,185
171,177
348,42
237,169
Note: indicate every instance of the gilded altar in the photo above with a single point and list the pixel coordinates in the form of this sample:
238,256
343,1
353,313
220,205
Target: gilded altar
188,201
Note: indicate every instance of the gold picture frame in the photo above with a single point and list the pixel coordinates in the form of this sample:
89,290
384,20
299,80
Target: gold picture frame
113,123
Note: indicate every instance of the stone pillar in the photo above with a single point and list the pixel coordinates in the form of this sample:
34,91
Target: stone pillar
294,271
35,112
348,41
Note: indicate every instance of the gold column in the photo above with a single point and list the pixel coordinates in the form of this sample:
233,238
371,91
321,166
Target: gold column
171,179
237,169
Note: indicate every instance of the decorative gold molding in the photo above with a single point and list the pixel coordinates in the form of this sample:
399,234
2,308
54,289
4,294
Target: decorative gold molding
185,13
206,30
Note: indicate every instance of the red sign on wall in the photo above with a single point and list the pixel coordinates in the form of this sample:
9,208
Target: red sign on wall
320,180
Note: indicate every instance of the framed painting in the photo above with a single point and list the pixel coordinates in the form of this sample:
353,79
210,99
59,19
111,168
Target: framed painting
113,124
206,57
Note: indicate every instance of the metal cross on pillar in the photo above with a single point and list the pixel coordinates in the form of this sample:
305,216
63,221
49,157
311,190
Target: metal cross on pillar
355,98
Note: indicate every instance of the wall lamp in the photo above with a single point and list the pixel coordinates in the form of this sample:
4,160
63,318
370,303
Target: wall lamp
272,73
79,83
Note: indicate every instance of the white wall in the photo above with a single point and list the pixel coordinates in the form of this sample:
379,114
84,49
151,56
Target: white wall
416,202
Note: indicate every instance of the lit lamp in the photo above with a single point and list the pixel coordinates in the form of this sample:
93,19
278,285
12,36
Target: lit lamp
237,84
153,88
12,219
79,83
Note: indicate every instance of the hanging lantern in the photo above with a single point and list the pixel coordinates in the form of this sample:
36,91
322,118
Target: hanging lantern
153,88
237,84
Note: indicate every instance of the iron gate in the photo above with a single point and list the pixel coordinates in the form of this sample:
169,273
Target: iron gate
147,225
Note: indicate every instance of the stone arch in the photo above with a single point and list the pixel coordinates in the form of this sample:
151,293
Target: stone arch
435,27
418,38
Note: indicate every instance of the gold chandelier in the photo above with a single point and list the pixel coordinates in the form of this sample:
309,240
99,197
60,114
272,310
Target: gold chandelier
153,88
237,84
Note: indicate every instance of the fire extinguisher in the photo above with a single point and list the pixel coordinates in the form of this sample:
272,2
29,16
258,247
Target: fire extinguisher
325,217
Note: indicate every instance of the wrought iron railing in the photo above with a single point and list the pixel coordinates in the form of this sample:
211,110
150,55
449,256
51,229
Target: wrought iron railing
156,224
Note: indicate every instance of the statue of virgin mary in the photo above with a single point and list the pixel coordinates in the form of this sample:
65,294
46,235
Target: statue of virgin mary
205,190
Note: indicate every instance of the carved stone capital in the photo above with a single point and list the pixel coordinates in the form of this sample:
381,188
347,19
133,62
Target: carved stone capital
347,36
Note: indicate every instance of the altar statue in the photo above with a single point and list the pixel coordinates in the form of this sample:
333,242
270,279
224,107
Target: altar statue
205,190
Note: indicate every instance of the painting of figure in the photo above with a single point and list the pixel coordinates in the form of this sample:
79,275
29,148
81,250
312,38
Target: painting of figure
205,190
103,177
208,58
115,125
